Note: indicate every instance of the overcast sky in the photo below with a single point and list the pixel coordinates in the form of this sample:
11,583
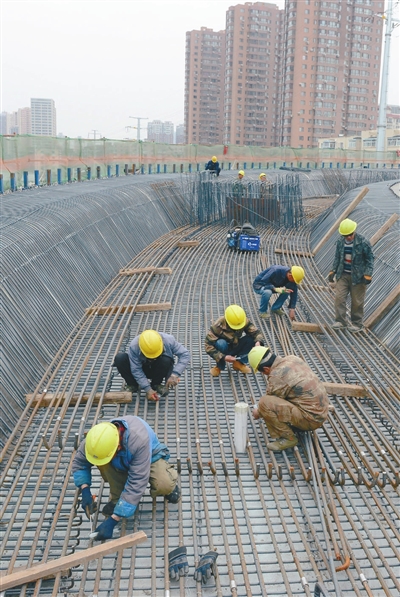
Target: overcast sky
104,61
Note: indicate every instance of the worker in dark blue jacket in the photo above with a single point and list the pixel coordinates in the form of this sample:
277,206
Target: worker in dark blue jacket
213,165
282,280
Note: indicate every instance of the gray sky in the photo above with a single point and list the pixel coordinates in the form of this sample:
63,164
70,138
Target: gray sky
103,61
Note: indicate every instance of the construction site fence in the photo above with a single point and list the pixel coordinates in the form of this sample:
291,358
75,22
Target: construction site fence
31,160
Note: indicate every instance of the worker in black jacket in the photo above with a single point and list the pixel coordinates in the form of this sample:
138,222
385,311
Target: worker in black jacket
213,165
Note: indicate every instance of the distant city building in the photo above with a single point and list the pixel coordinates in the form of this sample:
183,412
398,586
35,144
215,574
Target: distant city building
285,77
363,141
16,123
393,116
43,117
180,134
204,85
160,132
24,119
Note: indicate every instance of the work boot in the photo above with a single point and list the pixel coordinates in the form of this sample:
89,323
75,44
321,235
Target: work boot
108,509
278,311
282,443
338,326
265,315
131,389
355,328
215,371
238,366
161,390
174,496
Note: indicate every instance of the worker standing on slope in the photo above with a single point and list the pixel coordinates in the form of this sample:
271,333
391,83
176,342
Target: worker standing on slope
129,455
353,266
151,357
213,165
282,280
295,397
230,339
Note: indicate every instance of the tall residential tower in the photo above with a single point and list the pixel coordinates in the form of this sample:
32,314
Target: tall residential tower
43,114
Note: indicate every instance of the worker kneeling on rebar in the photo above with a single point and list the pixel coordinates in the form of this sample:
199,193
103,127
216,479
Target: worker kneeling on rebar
230,339
282,280
129,455
295,398
149,361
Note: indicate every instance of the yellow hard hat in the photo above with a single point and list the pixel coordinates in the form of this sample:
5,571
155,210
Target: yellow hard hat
151,344
101,443
235,317
241,172
214,158
262,174
297,273
347,227
256,355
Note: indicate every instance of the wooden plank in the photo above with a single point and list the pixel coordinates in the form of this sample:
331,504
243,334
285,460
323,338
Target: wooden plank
289,252
345,389
344,215
383,308
188,243
109,398
138,309
378,235
146,270
302,326
15,579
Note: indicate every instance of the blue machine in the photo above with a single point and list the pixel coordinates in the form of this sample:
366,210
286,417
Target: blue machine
243,238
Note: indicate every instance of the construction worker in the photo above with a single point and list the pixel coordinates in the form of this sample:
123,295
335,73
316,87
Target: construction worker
240,175
295,397
270,204
213,165
129,455
151,357
353,266
282,280
230,339
263,177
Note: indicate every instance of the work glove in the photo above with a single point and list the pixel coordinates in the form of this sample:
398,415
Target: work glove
331,277
88,504
105,530
280,290
367,280
177,563
206,567
172,381
152,395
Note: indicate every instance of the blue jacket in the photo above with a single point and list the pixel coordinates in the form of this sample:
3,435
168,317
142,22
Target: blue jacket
212,165
362,259
140,448
275,277
172,348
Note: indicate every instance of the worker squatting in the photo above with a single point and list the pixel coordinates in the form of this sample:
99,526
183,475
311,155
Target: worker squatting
127,451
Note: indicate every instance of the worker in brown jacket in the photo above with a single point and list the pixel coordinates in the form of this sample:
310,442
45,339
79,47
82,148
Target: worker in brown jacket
295,397
230,339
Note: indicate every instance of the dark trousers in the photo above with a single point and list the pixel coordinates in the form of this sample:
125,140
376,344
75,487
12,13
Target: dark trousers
241,349
154,369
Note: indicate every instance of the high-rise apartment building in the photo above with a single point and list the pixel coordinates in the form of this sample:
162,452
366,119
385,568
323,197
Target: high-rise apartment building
43,113
204,75
251,74
331,52
160,132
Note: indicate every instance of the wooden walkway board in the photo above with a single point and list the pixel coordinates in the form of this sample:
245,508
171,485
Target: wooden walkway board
188,243
109,398
15,579
388,224
299,253
138,309
345,389
146,270
383,308
303,326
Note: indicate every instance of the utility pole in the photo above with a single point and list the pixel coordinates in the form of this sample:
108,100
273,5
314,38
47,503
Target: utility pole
94,131
381,135
138,118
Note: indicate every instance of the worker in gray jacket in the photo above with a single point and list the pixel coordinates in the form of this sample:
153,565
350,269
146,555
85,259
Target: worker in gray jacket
129,455
151,357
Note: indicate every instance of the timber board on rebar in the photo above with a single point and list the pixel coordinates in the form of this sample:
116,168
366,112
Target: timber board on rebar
278,522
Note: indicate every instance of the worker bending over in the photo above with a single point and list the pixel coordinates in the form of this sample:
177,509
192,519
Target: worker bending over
151,357
295,397
213,165
230,339
282,280
129,455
